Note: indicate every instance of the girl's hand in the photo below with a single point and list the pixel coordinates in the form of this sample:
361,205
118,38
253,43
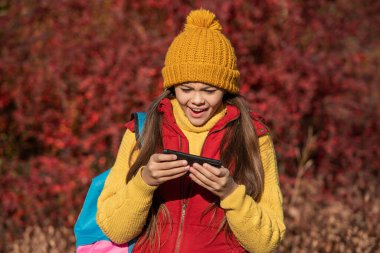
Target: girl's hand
217,180
162,168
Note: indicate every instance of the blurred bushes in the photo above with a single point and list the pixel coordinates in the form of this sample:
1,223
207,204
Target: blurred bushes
72,71
46,240
316,223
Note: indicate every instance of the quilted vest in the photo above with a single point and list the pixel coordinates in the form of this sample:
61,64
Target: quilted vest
191,228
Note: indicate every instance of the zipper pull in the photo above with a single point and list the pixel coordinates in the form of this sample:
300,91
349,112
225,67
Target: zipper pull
184,209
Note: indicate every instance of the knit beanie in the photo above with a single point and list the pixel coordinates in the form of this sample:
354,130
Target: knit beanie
201,53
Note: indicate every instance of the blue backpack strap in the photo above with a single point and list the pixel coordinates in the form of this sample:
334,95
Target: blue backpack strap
86,229
140,121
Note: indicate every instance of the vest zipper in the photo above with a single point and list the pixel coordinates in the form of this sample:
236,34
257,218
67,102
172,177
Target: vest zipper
183,212
185,198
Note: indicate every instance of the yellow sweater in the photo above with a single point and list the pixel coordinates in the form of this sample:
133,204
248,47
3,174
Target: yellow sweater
123,208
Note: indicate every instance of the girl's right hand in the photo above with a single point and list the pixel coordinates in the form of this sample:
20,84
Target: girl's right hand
162,168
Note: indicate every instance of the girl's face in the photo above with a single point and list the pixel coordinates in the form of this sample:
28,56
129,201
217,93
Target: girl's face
199,101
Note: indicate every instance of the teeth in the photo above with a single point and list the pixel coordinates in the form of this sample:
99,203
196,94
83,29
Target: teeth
197,110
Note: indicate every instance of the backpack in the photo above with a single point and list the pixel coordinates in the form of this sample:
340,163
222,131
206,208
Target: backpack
89,237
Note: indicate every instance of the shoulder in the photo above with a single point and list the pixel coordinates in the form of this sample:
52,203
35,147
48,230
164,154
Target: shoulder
259,124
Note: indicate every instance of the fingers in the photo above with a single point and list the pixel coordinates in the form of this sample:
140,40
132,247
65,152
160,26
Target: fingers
163,157
165,161
211,172
216,180
163,167
199,182
168,173
163,179
205,174
153,176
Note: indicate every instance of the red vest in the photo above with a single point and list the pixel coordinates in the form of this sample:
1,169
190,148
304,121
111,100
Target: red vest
193,230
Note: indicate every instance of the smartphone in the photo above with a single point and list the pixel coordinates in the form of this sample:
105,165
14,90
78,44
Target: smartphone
194,158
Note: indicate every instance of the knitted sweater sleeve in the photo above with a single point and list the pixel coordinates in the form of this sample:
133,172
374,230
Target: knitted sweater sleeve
258,226
123,208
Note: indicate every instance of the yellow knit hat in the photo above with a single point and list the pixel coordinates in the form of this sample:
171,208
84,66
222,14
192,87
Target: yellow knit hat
201,53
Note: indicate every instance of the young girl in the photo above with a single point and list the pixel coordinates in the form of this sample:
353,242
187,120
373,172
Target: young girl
171,206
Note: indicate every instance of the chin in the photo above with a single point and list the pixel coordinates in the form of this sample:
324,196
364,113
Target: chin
198,122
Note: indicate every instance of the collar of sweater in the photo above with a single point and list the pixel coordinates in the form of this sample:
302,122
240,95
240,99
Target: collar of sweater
184,123
166,108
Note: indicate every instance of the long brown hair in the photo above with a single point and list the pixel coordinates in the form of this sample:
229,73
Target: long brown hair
243,159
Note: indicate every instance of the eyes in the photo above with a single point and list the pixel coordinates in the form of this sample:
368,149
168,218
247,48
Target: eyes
188,90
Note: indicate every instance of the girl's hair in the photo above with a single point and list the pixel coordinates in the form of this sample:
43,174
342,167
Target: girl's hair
244,159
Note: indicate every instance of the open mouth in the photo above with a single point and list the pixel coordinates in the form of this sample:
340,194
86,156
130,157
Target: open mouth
196,111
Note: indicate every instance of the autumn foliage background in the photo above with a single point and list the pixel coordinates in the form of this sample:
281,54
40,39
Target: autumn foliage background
72,71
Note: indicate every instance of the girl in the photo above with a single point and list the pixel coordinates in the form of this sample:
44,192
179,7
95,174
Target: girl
172,206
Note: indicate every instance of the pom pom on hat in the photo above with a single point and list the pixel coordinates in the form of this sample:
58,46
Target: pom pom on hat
201,53
202,18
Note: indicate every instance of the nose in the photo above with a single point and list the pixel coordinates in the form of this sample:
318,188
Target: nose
197,98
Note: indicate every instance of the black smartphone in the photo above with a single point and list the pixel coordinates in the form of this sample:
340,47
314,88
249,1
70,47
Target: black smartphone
194,158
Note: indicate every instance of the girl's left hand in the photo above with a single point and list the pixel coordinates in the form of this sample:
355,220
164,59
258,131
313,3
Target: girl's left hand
217,180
